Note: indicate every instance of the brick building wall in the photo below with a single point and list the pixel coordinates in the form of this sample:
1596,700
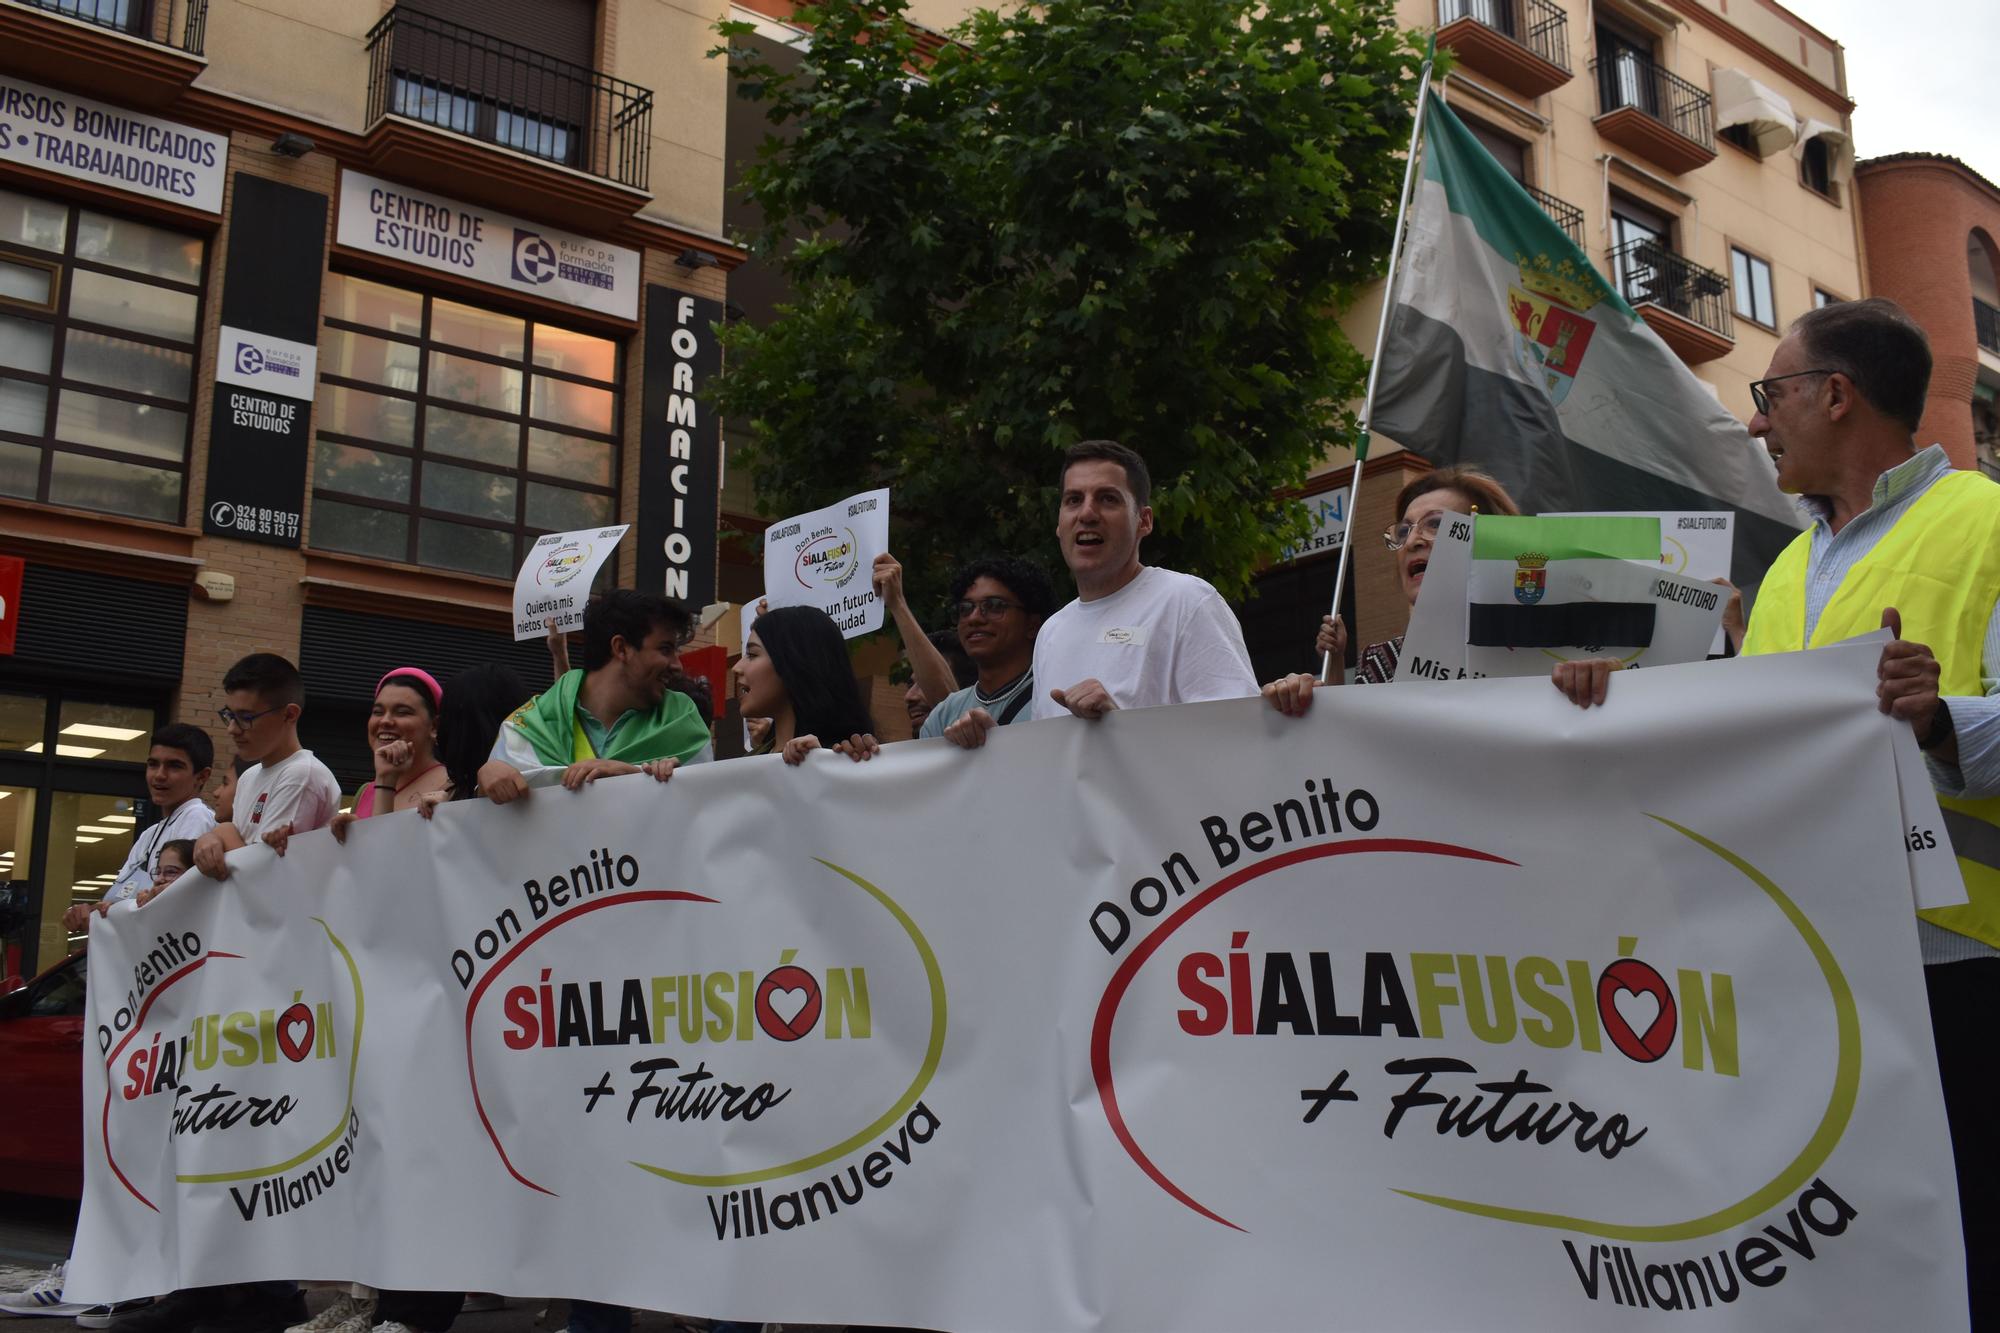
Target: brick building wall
1919,212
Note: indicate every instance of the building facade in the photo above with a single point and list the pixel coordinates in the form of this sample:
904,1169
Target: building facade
1933,227
1698,151
312,316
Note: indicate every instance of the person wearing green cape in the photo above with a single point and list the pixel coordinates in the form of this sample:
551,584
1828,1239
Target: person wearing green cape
631,651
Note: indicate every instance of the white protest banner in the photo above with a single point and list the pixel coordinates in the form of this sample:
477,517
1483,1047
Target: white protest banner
1697,544
554,580
826,558
1537,591
1453,1008
387,218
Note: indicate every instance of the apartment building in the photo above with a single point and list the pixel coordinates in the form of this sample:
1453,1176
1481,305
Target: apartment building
1933,230
1698,151
313,314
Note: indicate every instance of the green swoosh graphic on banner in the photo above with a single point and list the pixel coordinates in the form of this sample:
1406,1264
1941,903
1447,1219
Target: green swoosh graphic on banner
340,1126
933,1053
1839,1105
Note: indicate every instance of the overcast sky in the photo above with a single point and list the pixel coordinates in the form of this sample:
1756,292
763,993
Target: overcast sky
1924,75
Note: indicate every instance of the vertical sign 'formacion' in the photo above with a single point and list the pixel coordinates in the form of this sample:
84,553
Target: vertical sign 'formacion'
266,364
680,447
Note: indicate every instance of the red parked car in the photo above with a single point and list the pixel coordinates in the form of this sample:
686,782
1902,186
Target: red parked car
41,1069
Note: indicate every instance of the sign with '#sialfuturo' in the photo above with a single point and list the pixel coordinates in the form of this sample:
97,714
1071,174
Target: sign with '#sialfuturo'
108,145
385,218
1446,1008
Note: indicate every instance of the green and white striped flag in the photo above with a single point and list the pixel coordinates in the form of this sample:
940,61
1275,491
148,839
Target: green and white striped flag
1508,596
1508,349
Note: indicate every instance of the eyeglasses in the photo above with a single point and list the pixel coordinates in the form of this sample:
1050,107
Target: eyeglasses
1763,400
992,607
1398,537
232,718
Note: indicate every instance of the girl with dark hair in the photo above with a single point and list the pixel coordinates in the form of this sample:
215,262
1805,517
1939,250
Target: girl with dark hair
795,671
481,699
403,737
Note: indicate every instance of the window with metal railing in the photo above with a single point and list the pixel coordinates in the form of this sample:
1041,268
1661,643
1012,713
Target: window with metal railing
1568,216
1627,76
184,27
427,69
1538,25
1986,324
1650,274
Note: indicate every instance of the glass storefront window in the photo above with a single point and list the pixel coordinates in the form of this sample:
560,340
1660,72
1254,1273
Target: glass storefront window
35,224
17,857
21,720
450,434
115,731
98,320
85,851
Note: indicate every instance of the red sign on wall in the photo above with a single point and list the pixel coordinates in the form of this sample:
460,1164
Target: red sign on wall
11,570
709,664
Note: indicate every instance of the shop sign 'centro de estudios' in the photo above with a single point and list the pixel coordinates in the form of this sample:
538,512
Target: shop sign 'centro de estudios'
384,218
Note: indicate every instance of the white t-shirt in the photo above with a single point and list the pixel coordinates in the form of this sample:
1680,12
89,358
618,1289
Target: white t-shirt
1163,638
298,790
190,819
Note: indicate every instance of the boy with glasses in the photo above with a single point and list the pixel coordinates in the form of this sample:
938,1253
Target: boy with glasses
286,790
999,604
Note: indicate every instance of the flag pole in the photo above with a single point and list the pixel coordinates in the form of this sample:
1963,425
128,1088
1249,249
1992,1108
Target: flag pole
1361,434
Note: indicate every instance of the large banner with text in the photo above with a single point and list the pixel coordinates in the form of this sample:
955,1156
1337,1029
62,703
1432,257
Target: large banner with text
1455,1007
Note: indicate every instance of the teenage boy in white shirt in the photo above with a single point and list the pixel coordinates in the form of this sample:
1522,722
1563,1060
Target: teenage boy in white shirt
177,768
1136,635
286,790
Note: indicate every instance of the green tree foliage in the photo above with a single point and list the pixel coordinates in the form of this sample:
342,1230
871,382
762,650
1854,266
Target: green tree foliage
1133,219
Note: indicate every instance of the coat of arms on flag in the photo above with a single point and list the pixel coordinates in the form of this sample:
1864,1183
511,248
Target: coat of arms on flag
1550,330
1531,577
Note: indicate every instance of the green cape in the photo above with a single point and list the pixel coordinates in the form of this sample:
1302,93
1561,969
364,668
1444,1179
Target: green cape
550,723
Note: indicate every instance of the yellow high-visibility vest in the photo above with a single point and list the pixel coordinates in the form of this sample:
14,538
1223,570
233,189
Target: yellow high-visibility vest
1939,566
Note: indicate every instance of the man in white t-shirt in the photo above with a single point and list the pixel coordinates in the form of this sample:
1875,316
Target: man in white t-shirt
177,768
286,790
1136,635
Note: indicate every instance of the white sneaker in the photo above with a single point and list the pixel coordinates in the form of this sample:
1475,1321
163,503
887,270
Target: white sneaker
345,1315
392,1326
43,1300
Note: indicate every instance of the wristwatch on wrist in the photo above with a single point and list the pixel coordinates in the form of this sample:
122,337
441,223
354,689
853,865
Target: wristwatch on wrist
1940,728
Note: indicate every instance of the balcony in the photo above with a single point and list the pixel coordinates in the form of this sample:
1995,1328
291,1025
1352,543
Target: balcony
1567,216
579,140
1653,112
138,53
1986,325
1686,304
1523,44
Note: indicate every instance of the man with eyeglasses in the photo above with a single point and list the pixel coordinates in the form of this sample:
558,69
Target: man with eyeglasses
999,604
286,789
1899,538
1136,635
618,713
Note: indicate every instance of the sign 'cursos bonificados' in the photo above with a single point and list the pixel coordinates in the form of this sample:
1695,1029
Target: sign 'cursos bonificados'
108,145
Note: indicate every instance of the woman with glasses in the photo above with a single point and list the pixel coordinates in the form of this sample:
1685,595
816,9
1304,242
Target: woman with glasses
1423,504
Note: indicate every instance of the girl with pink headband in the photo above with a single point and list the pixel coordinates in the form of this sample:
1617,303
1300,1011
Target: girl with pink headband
402,733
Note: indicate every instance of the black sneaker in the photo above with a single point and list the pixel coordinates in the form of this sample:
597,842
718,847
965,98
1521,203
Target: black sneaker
174,1313
254,1307
104,1316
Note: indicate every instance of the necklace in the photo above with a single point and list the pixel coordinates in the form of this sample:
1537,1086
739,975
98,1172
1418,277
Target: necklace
413,777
